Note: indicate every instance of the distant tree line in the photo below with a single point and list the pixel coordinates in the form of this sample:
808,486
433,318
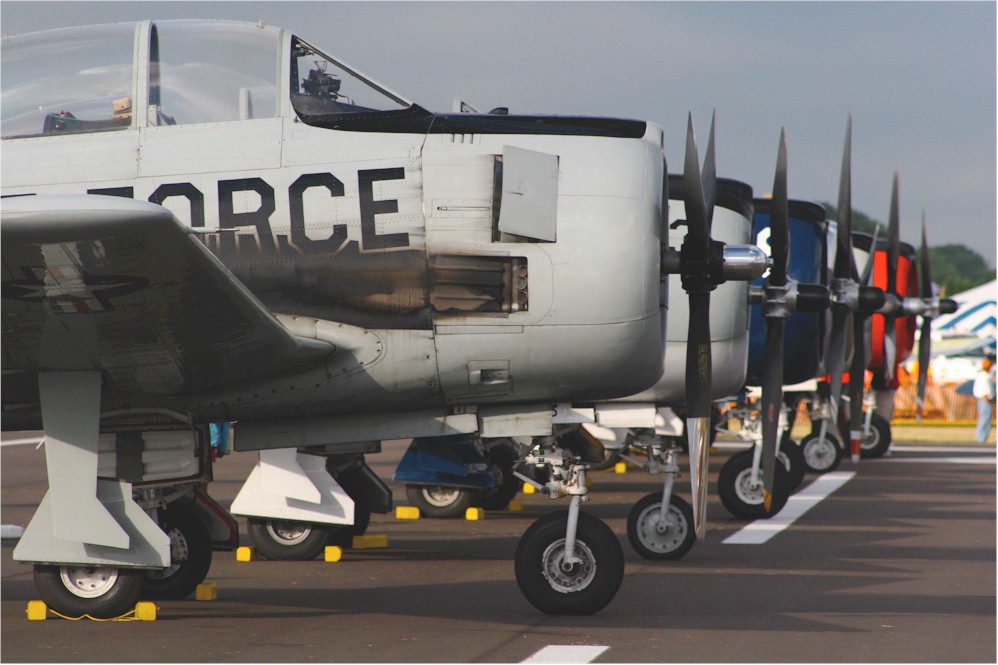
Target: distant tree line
955,267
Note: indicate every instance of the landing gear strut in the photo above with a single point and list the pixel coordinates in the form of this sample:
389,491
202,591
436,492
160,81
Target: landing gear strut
660,525
567,562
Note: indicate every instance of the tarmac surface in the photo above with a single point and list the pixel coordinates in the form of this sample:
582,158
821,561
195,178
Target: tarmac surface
890,560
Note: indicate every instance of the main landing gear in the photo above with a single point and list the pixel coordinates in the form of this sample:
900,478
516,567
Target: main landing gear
445,475
567,562
280,536
125,513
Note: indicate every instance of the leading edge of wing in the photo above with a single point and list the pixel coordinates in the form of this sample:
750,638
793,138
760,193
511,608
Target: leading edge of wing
121,286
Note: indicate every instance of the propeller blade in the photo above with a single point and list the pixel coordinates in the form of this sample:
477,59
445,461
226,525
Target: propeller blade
698,436
709,176
866,278
838,349
696,209
772,382
698,361
856,369
924,354
843,269
700,191
925,334
772,399
890,346
698,380
845,266
893,251
779,219
925,278
893,240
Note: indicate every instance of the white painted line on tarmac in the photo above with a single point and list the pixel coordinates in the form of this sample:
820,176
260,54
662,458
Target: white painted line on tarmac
760,531
567,653
907,448
947,460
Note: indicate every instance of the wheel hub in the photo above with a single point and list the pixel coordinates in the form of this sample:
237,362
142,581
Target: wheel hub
441,496
288,533
660,535
565,577
88,581
818,453
748,491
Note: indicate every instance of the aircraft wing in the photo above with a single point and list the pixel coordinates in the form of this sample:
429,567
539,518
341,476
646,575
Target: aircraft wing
121,286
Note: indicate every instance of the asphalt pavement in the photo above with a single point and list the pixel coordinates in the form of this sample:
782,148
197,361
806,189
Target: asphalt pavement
890,560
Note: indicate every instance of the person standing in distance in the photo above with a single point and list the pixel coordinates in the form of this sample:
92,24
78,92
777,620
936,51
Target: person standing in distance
984,392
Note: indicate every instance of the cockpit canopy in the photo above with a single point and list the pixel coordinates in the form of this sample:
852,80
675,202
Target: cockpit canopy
126,75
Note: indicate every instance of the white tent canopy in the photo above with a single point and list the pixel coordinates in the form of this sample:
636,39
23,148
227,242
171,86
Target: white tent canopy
976,315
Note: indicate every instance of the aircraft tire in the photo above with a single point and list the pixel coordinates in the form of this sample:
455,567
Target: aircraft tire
190,556
645,538
821,457
287,540
740,498
501,459
103,592
793,459
879,440
440,500
585,588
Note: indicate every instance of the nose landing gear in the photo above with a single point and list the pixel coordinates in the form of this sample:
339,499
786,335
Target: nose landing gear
567,562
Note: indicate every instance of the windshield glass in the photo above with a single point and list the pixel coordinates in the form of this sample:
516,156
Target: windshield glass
212,72
320,85
67,81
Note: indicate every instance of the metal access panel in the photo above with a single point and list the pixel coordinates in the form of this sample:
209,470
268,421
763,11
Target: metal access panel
529,203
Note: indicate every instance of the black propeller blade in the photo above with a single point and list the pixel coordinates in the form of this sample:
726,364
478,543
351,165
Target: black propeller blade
775,286
893,250
929,307
843,274
702,264
695,258
854,302
925,336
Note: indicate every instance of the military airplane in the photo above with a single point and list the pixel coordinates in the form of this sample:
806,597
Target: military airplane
209,221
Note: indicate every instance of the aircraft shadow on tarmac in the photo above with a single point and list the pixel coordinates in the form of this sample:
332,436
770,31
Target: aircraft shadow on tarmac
711,602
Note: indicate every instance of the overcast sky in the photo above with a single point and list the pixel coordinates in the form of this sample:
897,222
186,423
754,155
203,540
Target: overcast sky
918,77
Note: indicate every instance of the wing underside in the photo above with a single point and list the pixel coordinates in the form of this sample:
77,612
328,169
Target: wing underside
122,287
